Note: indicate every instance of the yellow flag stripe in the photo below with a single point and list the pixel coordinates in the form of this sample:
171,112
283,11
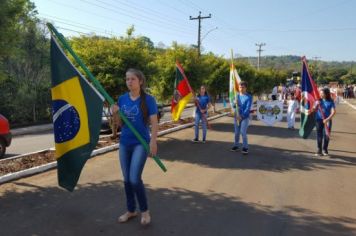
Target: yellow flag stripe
71,92
178,109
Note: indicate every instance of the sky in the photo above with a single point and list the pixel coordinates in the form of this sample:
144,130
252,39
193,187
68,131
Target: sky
319,29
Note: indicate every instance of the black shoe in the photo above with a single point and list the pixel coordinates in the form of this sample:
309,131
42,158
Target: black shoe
234,149
203,141
195,140
244,151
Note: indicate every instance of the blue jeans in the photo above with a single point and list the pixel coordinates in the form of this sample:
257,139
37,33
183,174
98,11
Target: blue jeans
321,134
132,160
198,117
241,128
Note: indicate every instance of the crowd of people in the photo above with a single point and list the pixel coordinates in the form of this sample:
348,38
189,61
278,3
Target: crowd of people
349,91
141,110
324,110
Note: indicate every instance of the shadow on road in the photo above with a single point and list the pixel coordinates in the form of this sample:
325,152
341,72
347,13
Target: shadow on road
343,132
92,209
263,130
217,154
8,155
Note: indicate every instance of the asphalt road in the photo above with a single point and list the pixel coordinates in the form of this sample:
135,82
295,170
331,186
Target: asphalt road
44,140
280,188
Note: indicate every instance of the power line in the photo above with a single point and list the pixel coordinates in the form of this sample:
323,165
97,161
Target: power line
126,13
295,30
192,5
120,20
54,18
173,7
80,26
44,23
218,38
155,13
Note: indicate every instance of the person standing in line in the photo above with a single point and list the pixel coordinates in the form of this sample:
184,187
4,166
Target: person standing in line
241,119
274,93
298,93
140,109
292,109
344,92
282,92
201,113
325,111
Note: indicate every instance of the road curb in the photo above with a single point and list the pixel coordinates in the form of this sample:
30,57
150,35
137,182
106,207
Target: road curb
49,166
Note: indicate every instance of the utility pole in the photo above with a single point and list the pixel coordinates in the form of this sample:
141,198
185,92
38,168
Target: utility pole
259,50
316,59
199,18
316,66
351,67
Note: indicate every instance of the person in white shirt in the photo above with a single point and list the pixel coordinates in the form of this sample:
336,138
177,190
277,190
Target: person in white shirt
292,109
283,92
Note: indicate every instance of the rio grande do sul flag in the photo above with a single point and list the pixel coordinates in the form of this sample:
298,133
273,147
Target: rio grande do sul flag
182,93
310,95
77,109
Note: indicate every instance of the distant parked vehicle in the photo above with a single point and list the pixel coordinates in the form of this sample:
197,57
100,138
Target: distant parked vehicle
5,135
105,123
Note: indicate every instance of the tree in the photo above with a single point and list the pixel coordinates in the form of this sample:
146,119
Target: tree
109,59
163,79
24,63
216,74
349,78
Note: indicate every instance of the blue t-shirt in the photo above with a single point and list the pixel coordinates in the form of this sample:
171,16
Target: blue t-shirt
326,107
203,102
244,102
132,110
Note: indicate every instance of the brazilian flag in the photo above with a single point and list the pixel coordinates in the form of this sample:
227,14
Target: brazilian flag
77,111
310,95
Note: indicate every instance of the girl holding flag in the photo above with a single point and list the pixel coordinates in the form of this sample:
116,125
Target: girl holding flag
203,104
141,110
324,115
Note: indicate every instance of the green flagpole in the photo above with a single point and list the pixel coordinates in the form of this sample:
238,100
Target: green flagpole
98,86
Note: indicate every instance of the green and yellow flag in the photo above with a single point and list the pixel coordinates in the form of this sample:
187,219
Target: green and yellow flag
77,109
234,81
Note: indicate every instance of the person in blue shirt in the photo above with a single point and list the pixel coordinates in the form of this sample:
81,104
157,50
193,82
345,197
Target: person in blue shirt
201,113
324,121
241,119
140,109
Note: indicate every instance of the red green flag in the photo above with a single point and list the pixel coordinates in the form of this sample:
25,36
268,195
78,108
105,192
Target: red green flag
310,95
182,93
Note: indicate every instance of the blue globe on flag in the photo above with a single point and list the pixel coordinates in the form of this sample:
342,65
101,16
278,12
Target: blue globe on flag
66,121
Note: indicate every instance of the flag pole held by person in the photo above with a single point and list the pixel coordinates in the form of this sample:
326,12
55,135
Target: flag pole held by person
57,36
